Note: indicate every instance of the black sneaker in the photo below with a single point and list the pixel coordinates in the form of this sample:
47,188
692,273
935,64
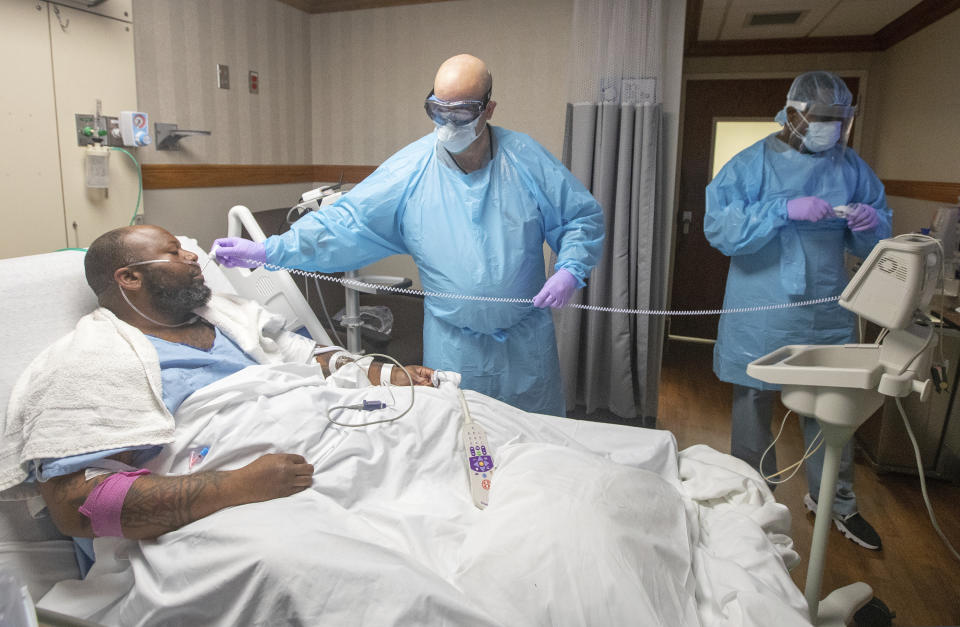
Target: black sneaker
874,614
853,526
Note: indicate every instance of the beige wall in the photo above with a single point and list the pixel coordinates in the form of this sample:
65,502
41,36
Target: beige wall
373,68
178,45
918,86
918,89
340,87
201,212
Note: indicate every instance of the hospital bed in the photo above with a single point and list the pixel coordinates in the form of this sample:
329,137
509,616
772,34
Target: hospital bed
588,523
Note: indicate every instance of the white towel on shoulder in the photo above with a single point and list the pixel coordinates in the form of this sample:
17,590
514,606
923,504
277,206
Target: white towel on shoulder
99,387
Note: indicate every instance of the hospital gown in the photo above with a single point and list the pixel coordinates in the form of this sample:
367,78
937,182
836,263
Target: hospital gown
776,260
184,370
479,234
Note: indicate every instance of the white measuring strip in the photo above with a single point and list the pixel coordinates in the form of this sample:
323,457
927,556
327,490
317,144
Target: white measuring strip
496,299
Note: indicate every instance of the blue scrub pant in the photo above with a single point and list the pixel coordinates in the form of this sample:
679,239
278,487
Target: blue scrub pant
750,435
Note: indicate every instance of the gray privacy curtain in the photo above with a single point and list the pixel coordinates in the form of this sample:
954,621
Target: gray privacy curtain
611,361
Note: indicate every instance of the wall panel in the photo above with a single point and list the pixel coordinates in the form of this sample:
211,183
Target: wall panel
373,68
178,45
31,204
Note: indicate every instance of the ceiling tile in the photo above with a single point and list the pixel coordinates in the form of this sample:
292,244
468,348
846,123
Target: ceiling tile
738,16
861,17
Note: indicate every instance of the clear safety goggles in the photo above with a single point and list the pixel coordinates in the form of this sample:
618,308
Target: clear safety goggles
456,112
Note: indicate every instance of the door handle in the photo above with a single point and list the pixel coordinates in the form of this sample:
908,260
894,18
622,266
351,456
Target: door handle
685,219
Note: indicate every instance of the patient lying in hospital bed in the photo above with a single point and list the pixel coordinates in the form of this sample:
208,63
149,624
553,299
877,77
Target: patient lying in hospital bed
587,523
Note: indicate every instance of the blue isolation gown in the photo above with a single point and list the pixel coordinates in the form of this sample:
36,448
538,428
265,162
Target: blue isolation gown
479,234
777,260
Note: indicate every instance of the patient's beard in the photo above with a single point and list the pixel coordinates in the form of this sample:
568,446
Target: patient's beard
174,300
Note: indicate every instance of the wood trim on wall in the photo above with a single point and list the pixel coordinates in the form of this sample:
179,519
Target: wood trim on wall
182,175
179,176
691,30
344,173
923,14
924,190
797,45
333,6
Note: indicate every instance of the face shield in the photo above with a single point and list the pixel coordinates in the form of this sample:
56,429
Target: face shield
827,125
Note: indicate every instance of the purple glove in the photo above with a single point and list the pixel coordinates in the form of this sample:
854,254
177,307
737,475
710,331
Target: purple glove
557,290
236,252
809,208
862,217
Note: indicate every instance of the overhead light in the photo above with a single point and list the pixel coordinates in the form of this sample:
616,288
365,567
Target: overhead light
783,18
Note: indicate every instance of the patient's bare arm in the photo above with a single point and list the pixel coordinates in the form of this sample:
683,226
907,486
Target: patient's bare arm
421,375
155,505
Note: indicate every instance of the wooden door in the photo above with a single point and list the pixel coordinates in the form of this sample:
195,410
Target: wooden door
700,271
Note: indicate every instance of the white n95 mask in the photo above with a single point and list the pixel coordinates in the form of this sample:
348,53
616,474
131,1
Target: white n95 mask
821,136
458,138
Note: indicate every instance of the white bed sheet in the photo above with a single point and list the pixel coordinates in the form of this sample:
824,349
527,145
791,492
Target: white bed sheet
587,524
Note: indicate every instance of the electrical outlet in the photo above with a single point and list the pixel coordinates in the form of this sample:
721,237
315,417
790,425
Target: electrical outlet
254,82
638,90
114,137
223,76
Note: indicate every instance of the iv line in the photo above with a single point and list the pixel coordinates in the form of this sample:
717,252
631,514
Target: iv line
496,299
373,422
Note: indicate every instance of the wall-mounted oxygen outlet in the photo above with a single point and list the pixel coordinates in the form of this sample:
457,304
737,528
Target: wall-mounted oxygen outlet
88,132
130,129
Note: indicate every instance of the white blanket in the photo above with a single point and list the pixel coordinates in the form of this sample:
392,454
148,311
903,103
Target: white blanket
388,534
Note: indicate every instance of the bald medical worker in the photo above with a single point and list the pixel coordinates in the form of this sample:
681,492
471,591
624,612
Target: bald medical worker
472,204
771,209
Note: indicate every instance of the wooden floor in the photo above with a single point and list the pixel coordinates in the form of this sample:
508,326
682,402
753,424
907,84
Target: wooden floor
914,573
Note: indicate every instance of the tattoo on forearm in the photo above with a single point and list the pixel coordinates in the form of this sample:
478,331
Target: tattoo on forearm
171,502
67,490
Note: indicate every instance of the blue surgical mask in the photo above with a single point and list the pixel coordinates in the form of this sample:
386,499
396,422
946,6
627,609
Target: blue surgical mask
821,136
458,138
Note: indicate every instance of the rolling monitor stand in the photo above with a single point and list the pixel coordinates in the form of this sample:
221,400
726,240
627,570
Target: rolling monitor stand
842,386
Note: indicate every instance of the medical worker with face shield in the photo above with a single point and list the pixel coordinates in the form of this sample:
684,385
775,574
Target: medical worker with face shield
472,204
772,210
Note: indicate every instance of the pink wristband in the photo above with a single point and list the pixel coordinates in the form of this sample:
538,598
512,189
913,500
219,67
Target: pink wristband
105,502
